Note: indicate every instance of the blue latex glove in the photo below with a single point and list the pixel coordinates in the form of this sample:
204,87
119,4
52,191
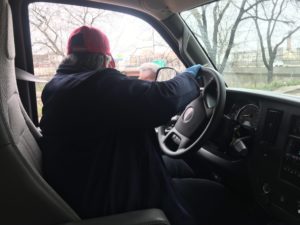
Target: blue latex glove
194,70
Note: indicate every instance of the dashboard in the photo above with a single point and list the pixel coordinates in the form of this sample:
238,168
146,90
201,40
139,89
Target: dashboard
263,134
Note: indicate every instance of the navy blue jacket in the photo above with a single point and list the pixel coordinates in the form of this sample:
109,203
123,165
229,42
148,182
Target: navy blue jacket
100,152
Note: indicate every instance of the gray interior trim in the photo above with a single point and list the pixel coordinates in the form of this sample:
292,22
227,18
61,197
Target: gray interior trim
160,9
189,47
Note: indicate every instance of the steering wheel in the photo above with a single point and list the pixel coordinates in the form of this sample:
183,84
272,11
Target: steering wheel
188,132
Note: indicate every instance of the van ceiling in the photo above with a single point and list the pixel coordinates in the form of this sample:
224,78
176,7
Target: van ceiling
160,9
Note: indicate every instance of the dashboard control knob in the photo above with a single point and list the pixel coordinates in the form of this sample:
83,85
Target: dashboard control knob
282,199
266,188
240,147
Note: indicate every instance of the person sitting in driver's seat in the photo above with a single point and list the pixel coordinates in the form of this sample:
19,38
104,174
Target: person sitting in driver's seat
99,147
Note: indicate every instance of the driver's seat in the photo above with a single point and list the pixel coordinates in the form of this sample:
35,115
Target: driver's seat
25,197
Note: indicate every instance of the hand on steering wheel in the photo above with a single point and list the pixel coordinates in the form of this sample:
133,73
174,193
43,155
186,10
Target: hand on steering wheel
194,70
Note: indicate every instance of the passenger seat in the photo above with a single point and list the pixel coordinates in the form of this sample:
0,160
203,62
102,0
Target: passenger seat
25,197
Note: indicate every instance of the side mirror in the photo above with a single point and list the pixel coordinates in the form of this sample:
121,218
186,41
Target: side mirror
165,73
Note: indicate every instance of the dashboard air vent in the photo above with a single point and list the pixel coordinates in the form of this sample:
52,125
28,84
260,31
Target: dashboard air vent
271,126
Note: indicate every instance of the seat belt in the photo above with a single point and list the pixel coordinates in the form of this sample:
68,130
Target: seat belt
24,75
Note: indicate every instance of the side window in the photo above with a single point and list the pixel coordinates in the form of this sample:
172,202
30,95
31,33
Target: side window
133,41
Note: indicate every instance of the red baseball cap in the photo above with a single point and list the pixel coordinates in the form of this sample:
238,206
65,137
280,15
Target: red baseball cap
91,40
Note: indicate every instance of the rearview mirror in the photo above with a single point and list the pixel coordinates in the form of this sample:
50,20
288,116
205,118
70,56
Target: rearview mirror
165,73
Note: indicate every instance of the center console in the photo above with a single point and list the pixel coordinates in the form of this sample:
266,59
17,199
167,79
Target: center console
273,159
290,170
276,162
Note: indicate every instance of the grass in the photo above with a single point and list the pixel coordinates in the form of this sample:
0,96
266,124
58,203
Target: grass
274,85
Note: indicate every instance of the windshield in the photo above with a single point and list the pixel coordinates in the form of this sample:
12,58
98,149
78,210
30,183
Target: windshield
253,43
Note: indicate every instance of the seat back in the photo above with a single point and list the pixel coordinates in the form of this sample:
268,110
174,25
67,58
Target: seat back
25,197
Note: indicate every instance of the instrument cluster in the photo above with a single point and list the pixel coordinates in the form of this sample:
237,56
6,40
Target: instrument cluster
245,114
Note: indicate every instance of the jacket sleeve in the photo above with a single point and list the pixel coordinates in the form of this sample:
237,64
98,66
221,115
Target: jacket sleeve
138,103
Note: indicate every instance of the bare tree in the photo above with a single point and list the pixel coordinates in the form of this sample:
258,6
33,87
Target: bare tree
153,47
52,35
41,20
275,17
220,41
84,16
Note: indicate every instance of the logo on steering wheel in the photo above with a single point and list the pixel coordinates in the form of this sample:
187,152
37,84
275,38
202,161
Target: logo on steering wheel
188,114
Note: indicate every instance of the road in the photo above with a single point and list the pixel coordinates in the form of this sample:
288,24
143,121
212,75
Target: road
294,92
291,90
